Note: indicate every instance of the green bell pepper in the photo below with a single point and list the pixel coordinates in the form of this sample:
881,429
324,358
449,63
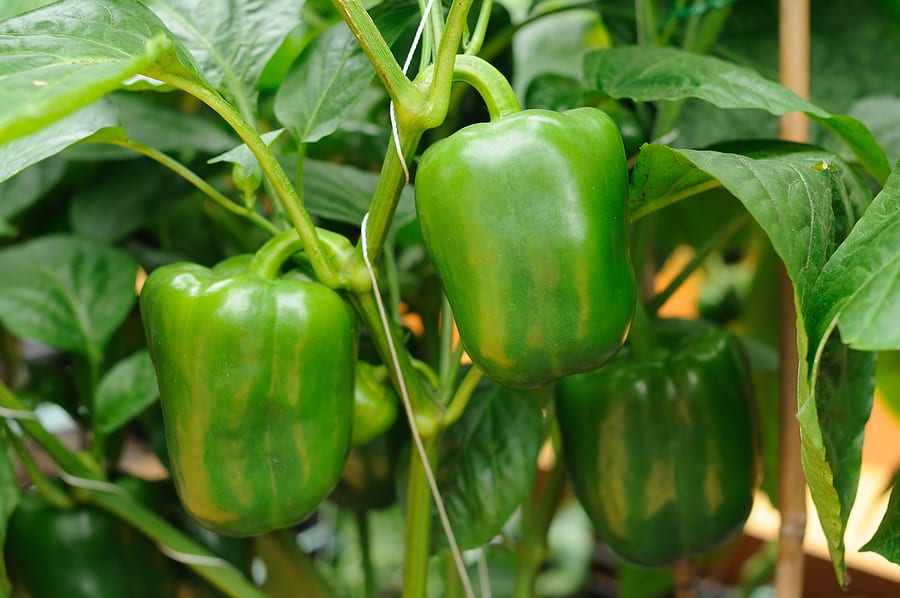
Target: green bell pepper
661,448
82,552
525,221
374,402
256,386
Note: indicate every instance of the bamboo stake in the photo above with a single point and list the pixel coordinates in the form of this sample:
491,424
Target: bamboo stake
794,69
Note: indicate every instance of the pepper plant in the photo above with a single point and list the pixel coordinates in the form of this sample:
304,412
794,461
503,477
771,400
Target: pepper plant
236,235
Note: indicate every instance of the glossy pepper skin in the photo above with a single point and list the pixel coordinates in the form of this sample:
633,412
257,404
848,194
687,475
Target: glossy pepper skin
82,552
662,449
524,219
256,386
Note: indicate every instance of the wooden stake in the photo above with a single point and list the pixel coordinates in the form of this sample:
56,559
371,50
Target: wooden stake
794,69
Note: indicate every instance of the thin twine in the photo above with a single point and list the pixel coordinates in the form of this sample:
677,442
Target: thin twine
407,406
395,132
181,557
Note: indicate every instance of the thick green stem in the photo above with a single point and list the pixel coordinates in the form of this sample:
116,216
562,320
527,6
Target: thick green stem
293,203
269,258
460,399
490,83
439,90
477,39
387,193
417,535
426,412
399,88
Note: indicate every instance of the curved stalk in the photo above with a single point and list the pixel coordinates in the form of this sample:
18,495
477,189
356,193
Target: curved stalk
187,174
293,203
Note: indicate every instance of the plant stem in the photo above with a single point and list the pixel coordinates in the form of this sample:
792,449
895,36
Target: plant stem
218,572
187,174
52,493
77,464
439,91
293,203
398,87
365,548
712,244
417,535
536,515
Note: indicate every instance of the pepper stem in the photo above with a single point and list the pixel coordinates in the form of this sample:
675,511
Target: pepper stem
277,250
491,85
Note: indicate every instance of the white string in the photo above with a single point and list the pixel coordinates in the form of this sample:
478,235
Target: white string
484,578
395,133
181,557
100,485
17,414
407,406
192,559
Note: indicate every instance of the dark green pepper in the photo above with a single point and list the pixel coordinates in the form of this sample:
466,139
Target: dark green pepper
82,552
256,386
374,402
525,221
661,448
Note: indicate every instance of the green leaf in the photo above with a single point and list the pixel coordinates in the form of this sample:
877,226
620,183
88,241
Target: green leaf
242,156
125,392
342,193
166,129
330,75
9,498
121,202
62,57
66,292
231,41
488,460
843,394
886,540
19,154
805,201
12,8
789,196
859,287
26,188
649,74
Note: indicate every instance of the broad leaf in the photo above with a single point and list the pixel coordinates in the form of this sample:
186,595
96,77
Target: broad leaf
64,56
844,392
9,497
343,193
886,540
12,8
66,292
19,154
120,203
860,285
242,156
805,203
649,74
488,460
231,41
330,75
26,188
125,392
